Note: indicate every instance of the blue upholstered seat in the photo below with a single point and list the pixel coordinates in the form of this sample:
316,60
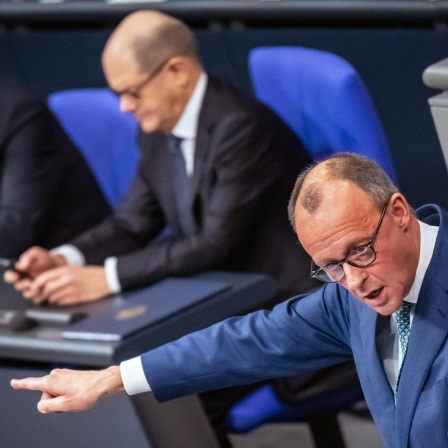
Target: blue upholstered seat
106,136
323,99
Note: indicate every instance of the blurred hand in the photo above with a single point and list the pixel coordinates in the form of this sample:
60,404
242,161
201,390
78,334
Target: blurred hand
30,264
68,285
66,390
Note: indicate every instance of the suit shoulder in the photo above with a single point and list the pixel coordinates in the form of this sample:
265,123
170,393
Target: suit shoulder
227,107
14,96
223,102
223,92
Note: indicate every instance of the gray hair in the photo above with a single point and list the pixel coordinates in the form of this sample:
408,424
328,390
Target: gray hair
355,168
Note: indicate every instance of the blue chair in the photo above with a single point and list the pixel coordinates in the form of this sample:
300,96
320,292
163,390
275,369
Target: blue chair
315,398
106,137
324,100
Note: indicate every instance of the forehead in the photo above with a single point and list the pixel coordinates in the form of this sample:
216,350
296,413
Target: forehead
121,70
346,216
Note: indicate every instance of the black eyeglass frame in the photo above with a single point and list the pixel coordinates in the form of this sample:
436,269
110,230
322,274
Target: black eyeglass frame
134,92
315,272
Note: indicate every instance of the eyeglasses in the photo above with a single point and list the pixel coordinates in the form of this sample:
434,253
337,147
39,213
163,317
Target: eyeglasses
134,92
359,257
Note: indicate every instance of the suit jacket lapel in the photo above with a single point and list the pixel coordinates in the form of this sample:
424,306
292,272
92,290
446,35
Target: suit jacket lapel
428,332
206,123
156,163
374,381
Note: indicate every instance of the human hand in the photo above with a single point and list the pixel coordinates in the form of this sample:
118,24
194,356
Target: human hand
68,285
66,390
31,263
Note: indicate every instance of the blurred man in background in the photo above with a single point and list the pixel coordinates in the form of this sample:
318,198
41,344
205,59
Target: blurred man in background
216,167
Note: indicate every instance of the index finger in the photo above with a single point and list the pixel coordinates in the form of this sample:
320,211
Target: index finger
37,286
22,284
31,383
11,276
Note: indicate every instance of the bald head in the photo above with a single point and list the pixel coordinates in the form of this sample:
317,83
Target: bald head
147,38
150,61
313,184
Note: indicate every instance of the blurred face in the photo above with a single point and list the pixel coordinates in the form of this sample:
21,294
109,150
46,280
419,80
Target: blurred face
154,98
346,219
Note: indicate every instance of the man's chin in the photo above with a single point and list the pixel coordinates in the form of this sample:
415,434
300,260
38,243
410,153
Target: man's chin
384,311
148,128
379,302
149,124
385,308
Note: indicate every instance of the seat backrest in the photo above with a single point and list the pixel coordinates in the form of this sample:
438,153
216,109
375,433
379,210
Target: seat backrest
323,99
106,137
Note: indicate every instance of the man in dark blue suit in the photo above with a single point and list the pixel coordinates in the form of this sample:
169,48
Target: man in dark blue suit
377,258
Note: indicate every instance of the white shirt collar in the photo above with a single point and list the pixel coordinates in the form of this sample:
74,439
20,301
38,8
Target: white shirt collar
428,236
388,341
187,125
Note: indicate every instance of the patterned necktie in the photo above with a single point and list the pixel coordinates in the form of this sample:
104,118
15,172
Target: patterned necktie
182,186
403,319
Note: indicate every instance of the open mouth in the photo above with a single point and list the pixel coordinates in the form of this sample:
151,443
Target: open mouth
374,294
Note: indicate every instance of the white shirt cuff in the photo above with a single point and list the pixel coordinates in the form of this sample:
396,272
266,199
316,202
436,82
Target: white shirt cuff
110,269
133,376
73,256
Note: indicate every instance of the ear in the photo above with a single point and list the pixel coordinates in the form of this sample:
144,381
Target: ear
179,69
399,210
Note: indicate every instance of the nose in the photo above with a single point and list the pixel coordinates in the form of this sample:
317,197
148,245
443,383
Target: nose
353,277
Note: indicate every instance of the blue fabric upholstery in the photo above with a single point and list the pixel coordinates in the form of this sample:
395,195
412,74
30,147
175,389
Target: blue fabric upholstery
106,137
270,409
263,406
323,99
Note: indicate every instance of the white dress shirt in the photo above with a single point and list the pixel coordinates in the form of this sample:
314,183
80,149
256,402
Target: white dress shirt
186,129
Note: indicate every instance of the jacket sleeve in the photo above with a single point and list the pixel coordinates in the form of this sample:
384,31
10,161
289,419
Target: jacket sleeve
298,335
137,220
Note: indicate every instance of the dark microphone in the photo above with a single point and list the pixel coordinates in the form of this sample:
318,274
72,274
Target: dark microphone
16,320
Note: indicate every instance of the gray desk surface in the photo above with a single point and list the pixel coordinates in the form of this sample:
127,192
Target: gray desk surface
45,344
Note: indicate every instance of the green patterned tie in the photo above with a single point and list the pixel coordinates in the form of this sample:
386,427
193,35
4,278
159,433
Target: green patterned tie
402,317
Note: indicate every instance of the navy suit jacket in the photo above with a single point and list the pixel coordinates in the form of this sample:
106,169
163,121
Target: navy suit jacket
245,165
328,327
